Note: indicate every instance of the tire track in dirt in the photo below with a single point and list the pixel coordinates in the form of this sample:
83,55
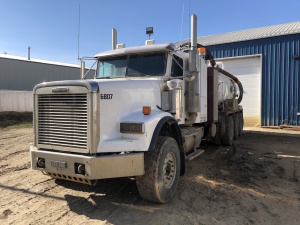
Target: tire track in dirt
14,169
12,154
40,201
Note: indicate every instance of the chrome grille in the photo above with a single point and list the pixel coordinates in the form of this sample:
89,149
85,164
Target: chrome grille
62,120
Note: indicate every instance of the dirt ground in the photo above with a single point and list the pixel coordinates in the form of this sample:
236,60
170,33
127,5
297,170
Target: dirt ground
254,182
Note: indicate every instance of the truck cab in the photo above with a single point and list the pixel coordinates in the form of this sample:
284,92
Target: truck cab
143,115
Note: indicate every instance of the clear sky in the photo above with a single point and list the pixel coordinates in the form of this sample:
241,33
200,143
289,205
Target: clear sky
51,27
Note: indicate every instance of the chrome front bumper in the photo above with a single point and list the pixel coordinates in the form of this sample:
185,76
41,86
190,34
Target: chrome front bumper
96,167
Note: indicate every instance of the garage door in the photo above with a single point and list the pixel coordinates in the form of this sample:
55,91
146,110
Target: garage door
248,71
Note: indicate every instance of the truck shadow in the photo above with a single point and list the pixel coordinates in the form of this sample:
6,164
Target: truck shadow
103,199
221,178
110,196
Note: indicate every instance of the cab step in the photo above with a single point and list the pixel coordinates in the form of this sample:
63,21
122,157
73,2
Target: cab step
194,154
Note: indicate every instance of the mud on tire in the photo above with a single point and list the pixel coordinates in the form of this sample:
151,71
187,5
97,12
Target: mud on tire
241,121
227,138
236,122
162,169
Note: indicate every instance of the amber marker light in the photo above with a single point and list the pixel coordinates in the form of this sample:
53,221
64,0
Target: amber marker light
202,50
146,110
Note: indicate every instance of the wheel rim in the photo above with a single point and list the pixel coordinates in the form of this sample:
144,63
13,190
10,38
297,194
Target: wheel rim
169,170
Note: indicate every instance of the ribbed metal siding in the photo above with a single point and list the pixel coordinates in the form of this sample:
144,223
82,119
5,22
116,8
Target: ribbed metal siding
24,75
62,120
280,75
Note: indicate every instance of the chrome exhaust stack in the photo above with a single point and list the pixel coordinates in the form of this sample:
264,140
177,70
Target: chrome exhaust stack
114,39
82,70
192,77
193,50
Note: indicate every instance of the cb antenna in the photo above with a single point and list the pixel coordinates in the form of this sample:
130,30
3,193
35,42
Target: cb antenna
189,22
181,24
78,30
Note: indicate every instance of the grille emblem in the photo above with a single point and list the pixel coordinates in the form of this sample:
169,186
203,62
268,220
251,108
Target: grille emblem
60,90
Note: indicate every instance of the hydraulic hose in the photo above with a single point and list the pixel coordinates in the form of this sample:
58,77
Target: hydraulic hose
235,79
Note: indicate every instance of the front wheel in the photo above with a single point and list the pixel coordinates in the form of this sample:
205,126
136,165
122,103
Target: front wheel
162,169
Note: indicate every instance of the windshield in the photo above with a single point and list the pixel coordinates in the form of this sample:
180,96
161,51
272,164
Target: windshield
153,64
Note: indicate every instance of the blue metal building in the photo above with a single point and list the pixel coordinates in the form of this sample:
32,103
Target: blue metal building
279,49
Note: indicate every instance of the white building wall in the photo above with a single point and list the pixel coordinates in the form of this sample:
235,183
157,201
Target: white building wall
18,101
248,70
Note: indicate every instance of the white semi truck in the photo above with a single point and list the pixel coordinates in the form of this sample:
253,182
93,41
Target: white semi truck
143,116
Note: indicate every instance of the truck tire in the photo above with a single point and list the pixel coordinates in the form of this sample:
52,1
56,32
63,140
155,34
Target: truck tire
162,169
227,138
220,130
236,126
241,120
222,120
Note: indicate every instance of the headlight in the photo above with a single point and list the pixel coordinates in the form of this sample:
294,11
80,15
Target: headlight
128,127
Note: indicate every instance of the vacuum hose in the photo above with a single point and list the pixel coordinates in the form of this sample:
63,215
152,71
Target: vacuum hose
234,78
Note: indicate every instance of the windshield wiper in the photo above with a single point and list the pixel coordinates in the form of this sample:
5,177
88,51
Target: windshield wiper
110,77
136,75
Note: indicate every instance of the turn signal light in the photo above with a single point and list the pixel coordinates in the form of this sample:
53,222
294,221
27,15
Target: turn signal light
202,50
146,110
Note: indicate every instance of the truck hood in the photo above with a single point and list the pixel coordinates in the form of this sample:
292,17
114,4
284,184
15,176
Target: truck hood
120,98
